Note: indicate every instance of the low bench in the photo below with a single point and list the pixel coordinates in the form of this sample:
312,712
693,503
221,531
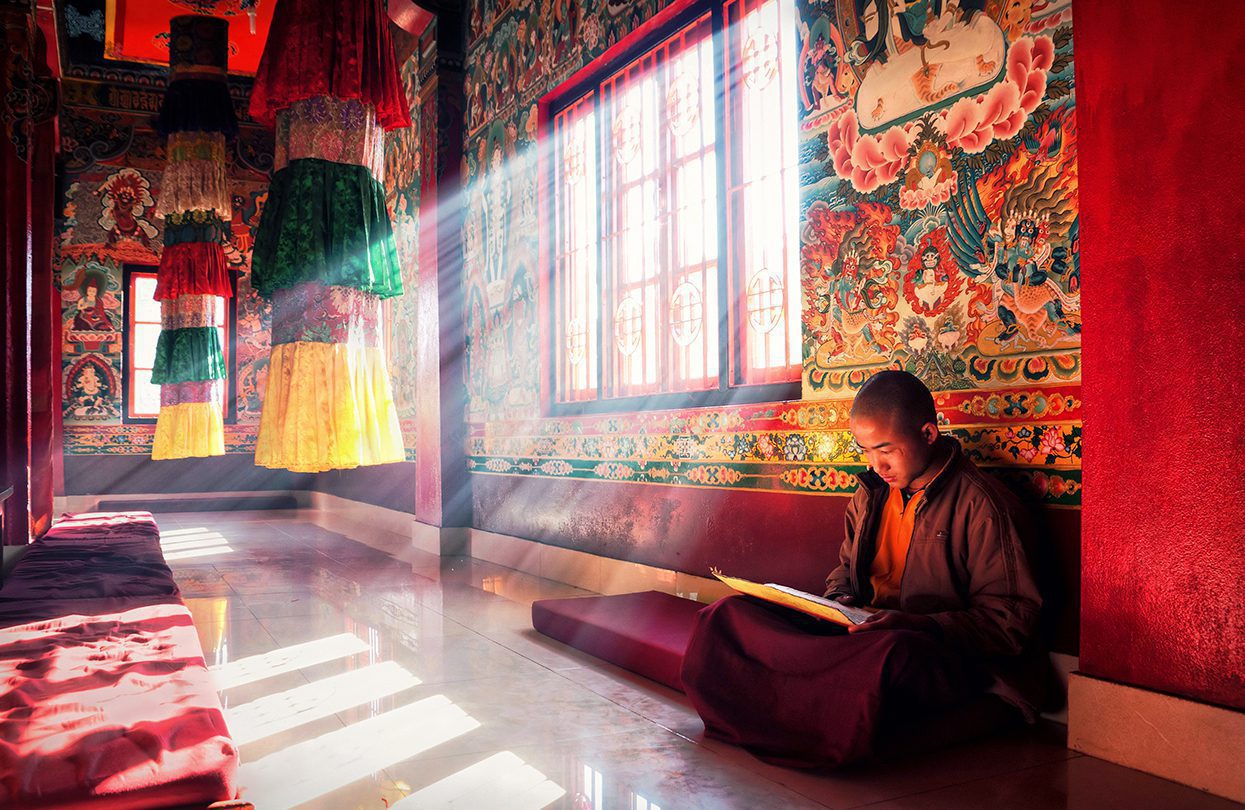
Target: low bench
105,697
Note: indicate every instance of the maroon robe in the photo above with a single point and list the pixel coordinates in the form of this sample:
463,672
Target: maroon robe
800,692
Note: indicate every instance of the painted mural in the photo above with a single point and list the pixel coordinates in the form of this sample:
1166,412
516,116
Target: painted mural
940,228
939,235
519,50
107,220
402,179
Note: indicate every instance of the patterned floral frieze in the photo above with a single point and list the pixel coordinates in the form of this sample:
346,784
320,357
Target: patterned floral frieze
1031,437
136,440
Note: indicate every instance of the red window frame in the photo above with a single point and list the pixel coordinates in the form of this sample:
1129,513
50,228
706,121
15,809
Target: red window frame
130,348
729,291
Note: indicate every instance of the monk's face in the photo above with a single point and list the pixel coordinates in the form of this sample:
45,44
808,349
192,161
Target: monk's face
894,450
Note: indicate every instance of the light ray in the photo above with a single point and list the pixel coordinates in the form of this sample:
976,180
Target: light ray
287,659
313,768
198,552
502,780
294,707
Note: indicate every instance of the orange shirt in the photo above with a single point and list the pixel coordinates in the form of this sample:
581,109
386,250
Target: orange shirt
894,537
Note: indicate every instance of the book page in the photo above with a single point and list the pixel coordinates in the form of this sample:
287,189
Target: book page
797,600
856,614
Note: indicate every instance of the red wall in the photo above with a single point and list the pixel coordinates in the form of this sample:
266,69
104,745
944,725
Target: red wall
1160,95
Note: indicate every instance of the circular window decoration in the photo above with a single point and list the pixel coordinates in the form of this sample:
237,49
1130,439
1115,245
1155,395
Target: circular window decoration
626,134
573,161
576,342
760,60
682,104
628,325
766,301
687,313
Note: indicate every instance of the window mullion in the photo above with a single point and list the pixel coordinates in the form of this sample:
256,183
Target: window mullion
662,332
607,245
728,344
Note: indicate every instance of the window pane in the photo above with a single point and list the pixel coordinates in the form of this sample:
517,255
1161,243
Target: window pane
763,177
576,242
146,307
146,395
145,337
659,227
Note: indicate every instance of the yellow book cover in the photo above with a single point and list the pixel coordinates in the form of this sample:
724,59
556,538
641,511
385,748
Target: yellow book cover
813,605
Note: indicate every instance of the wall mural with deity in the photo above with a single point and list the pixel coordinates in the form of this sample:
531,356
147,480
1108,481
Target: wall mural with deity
402,178
938,235
110,180
519,50
940,223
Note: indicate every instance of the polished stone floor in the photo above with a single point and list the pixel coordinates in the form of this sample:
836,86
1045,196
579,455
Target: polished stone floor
372,676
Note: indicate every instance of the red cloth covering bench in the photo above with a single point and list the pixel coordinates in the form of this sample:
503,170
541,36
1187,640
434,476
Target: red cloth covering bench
112,710
105,697
90,569
646,632
103,525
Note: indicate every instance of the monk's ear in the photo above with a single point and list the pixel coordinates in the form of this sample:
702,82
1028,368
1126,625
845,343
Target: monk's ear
929,432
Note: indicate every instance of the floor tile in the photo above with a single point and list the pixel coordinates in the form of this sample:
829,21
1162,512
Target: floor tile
643,768
300,622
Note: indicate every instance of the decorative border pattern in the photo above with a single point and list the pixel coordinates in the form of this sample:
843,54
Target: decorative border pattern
136,440
1030,437
1053,489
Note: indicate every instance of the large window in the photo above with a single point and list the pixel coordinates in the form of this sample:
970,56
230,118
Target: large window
675,225
142,332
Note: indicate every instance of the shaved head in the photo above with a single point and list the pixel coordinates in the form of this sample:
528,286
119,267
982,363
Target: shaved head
896,397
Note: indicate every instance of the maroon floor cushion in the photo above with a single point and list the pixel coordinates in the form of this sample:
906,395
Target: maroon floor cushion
102,525
646,633
111,710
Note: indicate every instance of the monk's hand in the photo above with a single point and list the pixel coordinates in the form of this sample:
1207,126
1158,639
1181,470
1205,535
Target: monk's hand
896,620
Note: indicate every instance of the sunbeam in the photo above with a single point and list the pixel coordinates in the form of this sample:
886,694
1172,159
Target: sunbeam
502,780
319,766
287,659
295,707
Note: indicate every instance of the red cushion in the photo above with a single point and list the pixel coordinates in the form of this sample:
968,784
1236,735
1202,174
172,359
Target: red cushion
97,525
111,710
646,633
89,569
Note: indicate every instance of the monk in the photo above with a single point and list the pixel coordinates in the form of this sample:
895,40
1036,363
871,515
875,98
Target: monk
935,546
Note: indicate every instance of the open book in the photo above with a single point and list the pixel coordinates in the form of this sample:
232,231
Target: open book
813,605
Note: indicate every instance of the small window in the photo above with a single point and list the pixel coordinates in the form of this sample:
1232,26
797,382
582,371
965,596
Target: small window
142,333
675,216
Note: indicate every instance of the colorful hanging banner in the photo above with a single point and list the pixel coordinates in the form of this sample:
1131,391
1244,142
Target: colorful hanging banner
324,249
197,116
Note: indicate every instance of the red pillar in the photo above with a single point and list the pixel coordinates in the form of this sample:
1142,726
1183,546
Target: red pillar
45,319
29,309
1163,264
442,485
16,86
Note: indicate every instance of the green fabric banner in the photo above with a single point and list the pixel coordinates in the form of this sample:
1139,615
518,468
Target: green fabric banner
193,353
326,222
